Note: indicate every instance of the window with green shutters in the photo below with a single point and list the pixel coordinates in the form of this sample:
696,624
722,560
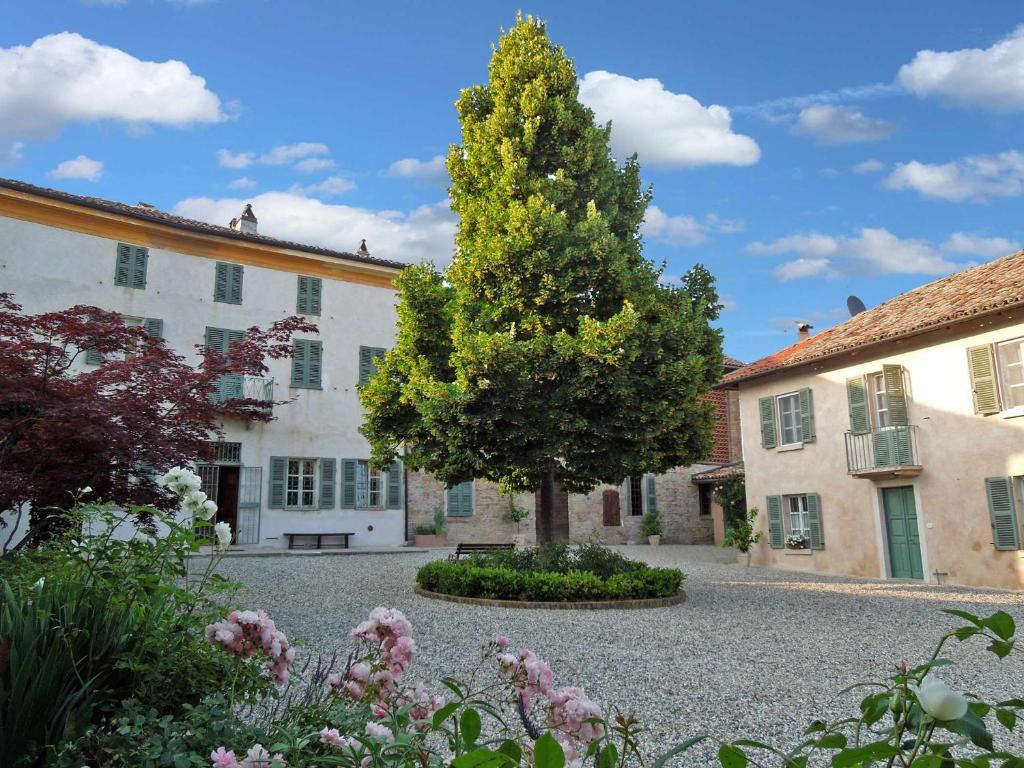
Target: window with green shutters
1002,509
797,514
307,301
301,483
130,266
227,283
229,387
307,363
396,484
154,327
459,500
787,420
368,362
363,487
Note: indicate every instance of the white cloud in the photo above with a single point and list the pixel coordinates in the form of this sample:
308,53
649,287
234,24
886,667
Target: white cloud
81,167
66,78
684,230
829,124
869,166
975,178
990,78
776,110
311,164
664,128
332,186
432,171
426,232
228,159
243,182
12,153
870,252
985,247
290,153
728,303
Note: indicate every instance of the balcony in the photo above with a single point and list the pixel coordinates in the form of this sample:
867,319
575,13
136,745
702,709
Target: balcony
882,453
239,387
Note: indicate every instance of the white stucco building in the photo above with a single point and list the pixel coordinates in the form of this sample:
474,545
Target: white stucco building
194,283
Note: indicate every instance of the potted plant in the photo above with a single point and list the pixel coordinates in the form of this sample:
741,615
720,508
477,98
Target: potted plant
650,527
742,535
516,514
430,535
797,541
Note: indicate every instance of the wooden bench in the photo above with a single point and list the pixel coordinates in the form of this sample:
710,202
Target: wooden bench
319,540
477,549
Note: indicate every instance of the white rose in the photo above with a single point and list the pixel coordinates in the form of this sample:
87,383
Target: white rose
193,502
939,700
143,538
223,532
207,511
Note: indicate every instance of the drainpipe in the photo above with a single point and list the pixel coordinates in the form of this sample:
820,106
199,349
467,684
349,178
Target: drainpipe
405,498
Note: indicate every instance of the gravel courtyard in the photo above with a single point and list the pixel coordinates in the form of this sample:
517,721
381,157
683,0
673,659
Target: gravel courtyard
755,653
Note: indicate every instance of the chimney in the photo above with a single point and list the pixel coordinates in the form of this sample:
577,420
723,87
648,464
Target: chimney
362,251
803,330
246,223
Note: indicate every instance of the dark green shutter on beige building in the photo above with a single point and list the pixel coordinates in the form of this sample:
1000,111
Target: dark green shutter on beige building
227,284
395,475
857,400
309,291
327,469
896,395
807,415
278,470
307,363
154,327
983,380
131,265
766,408
814,524
220,340
348,483
1001,507
652,495
776,533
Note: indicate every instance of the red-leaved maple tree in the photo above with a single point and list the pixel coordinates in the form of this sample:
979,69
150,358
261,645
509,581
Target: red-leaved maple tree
113,427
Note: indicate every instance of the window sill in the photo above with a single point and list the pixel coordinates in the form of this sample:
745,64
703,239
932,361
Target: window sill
799,552
305,386
1012,413
792,447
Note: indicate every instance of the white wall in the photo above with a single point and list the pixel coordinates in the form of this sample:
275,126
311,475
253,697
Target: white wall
51,269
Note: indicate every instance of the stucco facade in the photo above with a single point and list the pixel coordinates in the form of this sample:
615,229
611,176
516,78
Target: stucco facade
955,450
55,255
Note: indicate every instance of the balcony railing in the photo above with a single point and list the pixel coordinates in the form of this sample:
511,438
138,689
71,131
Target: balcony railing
886,452
239,387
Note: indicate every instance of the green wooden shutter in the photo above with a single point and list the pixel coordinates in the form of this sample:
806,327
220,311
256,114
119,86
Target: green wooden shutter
817,532
766,406
309,291
154,327
300,350
895,394
884,446
983,379
1005,532
395,476
278,472
220,282
232,385
93,357
314,360
467,497
776,535
807,415
327,467
460,500
857,399
348,483
123,265
652,495
315,292
368,362
140,260
235,284
302,297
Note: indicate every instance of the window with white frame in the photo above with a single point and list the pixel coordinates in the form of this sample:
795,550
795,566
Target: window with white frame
300,484
370,487
880,400
798,521
789,419
1010,356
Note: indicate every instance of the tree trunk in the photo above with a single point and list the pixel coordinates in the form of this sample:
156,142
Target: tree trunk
552,507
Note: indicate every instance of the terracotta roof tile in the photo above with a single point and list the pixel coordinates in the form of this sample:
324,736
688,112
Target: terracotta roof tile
978,291
146,213
717,474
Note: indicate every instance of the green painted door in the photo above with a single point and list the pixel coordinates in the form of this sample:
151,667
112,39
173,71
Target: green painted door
901,531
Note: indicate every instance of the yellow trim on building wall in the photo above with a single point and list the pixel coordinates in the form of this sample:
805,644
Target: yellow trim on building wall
114,226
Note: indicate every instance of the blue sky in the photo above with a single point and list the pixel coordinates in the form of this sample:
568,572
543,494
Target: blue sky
803,151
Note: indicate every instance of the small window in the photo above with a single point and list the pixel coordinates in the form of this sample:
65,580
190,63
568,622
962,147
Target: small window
636,496
307,301
1011,372
704,494
131,265
880,401
798,521
789,419
369,487
227,284
300,484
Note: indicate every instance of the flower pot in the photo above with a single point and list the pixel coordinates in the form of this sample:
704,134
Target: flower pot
654,540
427,540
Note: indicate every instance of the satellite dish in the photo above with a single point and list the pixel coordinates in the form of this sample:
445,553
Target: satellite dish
854,305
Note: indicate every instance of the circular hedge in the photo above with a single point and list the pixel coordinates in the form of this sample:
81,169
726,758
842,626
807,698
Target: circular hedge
556,574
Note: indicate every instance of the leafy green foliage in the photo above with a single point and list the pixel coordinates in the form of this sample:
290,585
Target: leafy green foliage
547,351
731,495
742,535
650,525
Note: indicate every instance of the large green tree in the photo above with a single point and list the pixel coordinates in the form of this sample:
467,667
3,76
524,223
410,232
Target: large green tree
548,353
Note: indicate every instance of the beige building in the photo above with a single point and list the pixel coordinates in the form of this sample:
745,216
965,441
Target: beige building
476,512
892,445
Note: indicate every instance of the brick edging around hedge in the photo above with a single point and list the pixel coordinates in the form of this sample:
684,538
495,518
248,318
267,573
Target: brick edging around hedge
647,602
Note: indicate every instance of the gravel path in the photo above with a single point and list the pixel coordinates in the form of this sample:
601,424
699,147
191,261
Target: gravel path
753,653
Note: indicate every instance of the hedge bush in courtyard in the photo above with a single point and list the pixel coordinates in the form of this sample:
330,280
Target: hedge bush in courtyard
551,574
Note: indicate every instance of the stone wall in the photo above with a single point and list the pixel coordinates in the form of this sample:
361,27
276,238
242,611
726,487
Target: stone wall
677,502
